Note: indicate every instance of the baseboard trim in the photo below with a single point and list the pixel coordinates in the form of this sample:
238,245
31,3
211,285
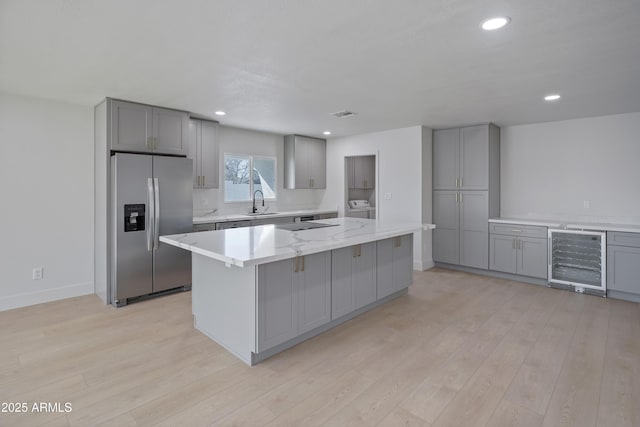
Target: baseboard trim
422,266
497,274
32,298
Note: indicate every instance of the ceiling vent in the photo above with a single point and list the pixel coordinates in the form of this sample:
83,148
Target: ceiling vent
344,113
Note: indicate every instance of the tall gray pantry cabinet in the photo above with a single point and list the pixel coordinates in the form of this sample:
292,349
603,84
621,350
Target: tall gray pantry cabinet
466,193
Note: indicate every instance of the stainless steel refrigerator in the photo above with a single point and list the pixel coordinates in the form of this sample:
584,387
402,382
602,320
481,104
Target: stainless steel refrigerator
150,196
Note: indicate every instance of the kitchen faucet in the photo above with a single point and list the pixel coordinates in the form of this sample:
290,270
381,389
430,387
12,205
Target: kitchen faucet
255,210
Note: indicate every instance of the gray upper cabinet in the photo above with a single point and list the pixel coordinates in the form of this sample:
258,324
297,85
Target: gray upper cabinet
446,159
394,264
353,278
131,128
363,172
294,296
474,158
518,250
147,129
305,162
623,263
466,182
204,150
464,157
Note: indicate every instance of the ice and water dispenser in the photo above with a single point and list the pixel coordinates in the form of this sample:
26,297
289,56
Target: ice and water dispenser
134,217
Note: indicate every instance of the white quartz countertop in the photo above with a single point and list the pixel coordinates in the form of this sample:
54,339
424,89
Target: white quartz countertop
240,217
266,243
572,225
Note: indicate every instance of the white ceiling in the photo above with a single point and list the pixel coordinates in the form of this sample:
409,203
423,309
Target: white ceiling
285,65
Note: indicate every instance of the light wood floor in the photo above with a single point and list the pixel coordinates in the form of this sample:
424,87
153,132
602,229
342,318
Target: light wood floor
459,350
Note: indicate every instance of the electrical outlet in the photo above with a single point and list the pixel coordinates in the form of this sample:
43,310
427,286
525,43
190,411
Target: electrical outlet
37,273
387,196
586,204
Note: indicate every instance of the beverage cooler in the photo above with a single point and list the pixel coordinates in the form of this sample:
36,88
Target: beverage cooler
578,259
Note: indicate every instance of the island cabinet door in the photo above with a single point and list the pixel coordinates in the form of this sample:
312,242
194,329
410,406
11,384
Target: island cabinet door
395,264
314,290
403,262
342,294
277,303
364,274
353,278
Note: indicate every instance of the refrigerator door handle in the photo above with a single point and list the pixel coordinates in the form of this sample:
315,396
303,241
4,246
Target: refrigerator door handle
156,211
150,221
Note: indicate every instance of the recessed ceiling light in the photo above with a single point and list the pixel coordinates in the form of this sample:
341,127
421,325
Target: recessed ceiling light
326,132
220,113
552,97
495,23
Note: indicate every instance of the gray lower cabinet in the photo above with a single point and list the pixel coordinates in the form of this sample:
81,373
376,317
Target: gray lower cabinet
353,278
532,257
394,264
461,235
517,252
144,128
623,262
294,296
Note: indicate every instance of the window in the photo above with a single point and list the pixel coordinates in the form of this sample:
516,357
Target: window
243,175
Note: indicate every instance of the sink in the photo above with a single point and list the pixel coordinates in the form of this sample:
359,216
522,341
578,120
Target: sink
262,213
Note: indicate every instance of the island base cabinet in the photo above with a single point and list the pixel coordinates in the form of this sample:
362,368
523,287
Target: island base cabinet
294,296
394,264
353,278
314,291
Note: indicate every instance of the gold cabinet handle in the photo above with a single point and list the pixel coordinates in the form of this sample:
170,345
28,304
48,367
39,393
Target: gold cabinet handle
203,180
456,197
456,182
460,197
460,182
355,251
295,270
302,263
513,244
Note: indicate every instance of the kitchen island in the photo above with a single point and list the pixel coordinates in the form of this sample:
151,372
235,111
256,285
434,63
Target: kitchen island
259,290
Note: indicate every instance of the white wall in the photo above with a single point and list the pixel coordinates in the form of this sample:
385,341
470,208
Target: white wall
243,141
550,169
400,175
46,183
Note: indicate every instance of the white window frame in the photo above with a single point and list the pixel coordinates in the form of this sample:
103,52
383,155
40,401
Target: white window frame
251,167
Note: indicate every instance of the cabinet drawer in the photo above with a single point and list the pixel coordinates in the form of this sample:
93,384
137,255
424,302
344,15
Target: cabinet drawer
209,226
518,230
623,239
